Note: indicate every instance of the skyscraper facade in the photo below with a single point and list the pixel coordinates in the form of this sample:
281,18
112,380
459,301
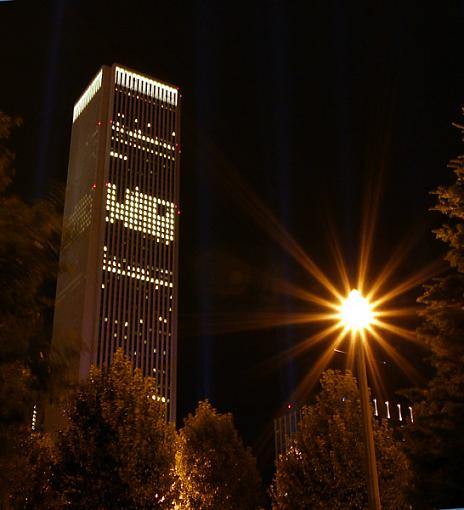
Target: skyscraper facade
117,285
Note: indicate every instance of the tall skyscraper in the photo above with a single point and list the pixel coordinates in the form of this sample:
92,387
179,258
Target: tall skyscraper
117,285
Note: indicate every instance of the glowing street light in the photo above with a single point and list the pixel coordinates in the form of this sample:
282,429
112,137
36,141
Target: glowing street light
356,314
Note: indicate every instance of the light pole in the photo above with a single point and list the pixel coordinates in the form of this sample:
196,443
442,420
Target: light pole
356,314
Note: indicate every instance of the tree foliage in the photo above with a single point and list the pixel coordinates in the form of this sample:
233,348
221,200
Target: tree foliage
436,442
216,471
29,245
29,483
117,451
325,467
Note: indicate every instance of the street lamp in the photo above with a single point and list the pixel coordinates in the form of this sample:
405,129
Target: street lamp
356,315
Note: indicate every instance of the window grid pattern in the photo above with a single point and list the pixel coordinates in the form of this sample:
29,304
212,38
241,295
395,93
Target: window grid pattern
137,285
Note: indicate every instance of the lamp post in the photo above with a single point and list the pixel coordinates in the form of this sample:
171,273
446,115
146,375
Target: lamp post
356,314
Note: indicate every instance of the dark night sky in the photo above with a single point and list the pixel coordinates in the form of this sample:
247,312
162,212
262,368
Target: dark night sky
305,103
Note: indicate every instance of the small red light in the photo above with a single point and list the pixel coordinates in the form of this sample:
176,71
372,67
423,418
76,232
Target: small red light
99,123
178,211
289,406
94,186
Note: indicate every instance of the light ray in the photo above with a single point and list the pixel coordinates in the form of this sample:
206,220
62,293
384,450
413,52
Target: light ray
313,375
413,281
339,261
350,356
243,196
235,323
302,294
371,204
397,258
373,366
300,347
410,311
400,361
397,330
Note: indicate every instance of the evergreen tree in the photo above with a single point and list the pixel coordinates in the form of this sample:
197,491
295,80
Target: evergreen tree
325,466
117,452
436,441
216,471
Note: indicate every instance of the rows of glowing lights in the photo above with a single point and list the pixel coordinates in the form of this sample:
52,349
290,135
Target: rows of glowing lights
114,265
144,138
131,81
146,86
119,128
126,324
88,95
389,414
115,154
139,212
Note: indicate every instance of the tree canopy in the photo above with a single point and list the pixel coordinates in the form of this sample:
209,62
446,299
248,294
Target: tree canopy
29,245
325,467
117,452
216,471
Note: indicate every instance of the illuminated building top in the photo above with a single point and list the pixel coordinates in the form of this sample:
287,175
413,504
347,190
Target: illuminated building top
87,96
144,85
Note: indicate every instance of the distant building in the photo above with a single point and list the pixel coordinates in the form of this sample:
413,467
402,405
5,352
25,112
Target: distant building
286,425
117,285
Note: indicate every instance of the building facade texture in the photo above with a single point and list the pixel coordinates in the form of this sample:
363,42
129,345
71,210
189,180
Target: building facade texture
117,285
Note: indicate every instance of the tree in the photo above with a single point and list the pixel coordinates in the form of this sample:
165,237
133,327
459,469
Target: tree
117,452
216,471
29,245
29,483
436,442
325,467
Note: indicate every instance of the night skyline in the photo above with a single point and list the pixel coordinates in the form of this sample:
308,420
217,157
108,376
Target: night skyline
309,113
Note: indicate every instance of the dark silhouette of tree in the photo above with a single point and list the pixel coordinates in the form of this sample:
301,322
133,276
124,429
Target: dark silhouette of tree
29,245
216,471
117,452
29,484
325,465
436,441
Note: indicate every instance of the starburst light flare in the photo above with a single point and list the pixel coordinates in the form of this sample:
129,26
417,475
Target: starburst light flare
356,312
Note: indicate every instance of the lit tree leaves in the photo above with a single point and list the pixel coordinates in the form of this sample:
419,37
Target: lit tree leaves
324,468
118,451
216,471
